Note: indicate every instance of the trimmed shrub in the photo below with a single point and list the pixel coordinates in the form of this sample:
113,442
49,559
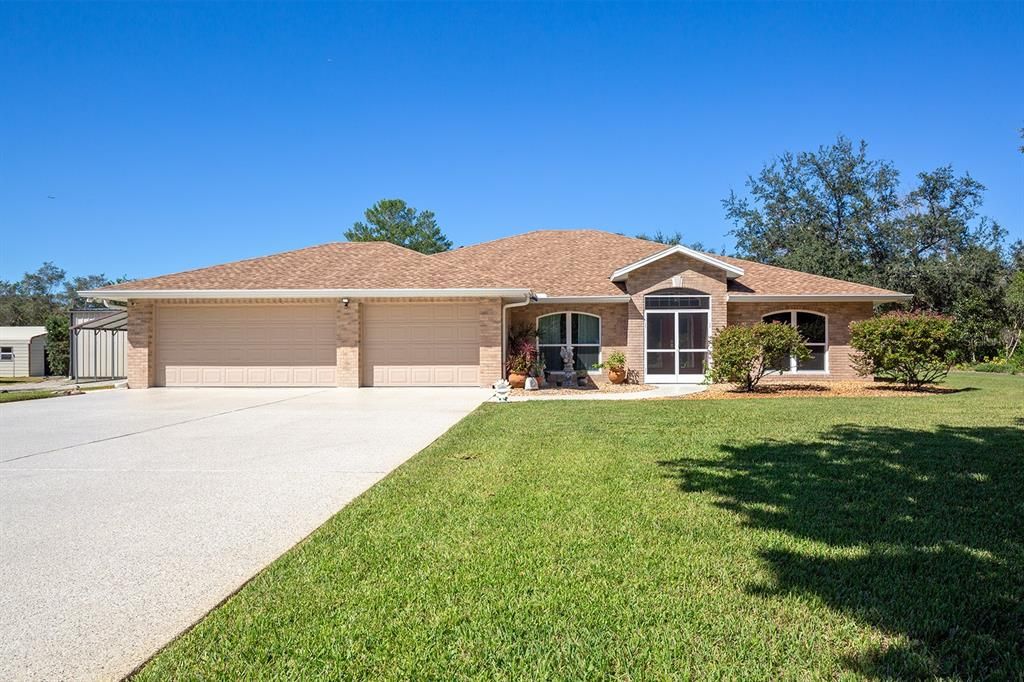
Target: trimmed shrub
912,348
57,351
743,355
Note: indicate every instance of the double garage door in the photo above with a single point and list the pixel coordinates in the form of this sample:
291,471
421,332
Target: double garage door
251,345
295,345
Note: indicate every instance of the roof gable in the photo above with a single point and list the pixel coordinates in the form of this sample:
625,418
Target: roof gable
731,271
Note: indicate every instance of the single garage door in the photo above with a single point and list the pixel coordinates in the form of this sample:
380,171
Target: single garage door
251,345
421,344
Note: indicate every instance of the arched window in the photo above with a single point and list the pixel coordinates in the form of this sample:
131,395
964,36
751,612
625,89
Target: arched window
580,329
814,328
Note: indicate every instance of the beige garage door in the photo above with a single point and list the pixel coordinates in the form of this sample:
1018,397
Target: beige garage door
253,345
421,344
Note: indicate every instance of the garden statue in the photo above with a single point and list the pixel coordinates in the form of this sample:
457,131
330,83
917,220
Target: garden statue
568,367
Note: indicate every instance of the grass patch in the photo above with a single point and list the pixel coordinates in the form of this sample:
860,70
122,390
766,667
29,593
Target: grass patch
21,380
755,539
18,396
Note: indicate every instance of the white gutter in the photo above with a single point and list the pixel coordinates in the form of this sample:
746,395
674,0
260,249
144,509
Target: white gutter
833,298
125,294
504,327
622,298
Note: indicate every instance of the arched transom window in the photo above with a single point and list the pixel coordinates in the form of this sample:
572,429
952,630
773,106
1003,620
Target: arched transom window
814,328
580,329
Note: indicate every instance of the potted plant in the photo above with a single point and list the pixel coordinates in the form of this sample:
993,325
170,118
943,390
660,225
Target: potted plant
522,354
616,366
538,369
521,360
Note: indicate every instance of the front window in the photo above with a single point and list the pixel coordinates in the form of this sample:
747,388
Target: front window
814,329
6,352
581,329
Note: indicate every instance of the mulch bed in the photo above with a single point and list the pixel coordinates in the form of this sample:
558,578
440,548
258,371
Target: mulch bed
591,387
817,389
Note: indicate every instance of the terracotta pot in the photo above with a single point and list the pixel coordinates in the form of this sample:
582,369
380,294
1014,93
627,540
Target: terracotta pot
517,380
617,376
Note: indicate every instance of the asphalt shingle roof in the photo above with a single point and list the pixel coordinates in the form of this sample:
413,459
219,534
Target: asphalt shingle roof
553,262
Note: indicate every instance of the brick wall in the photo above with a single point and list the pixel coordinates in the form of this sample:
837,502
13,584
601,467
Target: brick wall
347,370
491,364
693,274
141,351
613,316
839,315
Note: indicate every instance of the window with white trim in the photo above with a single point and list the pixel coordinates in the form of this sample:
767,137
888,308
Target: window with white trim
583,331
6,352
813,327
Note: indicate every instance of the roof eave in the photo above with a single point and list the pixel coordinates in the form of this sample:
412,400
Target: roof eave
620,298
126,294
820,298
731,271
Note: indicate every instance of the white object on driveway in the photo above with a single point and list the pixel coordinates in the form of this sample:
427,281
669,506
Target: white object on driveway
126,515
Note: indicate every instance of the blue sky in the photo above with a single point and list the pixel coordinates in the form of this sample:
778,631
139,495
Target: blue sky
176,136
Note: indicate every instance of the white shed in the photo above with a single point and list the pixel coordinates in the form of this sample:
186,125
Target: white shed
22,351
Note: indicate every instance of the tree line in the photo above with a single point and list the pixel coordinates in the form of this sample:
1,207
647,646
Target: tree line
840,213
44,298
45,292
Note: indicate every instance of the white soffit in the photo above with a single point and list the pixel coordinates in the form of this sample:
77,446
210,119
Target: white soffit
810,298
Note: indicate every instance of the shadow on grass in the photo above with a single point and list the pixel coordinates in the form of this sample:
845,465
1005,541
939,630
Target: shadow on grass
924,536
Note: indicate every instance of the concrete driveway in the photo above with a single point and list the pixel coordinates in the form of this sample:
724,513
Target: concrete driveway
127,515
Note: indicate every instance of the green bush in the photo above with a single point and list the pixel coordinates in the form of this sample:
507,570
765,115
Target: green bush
912,348
743,355
57,350
1000,365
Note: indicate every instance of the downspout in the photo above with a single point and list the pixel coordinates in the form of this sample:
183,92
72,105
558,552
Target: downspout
504,326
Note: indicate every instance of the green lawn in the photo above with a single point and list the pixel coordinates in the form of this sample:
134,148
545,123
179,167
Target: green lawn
16,396
21,380
755,539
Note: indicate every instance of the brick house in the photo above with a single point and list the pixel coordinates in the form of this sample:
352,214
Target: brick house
375,314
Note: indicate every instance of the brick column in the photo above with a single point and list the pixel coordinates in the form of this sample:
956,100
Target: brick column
348,363
635,337
490,342
141,347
